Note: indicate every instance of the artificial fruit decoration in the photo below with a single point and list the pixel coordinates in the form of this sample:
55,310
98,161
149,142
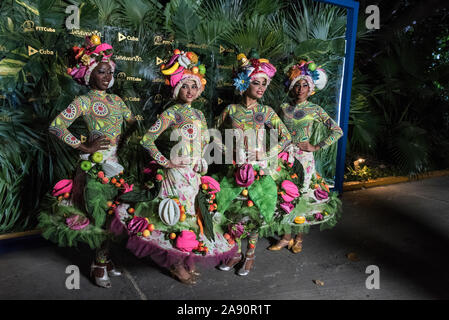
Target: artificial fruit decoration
97,157
86,165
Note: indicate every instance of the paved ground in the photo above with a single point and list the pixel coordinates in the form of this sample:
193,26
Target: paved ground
402,229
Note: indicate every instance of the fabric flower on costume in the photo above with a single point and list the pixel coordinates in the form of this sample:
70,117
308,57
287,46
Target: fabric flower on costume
242,81
244,176
236,230
186,241
321,194
318,216
77,222
137,224
283,156
287,207
128,188
213,184
291,191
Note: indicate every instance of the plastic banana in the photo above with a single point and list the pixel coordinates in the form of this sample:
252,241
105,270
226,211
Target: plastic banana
171,70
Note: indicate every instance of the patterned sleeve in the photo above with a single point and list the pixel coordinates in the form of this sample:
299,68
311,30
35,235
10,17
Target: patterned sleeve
220,121
164,121
284,106
204,131
222,117
335,130
273,121
127,113
59,126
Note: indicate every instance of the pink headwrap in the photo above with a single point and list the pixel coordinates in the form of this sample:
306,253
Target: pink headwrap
88,57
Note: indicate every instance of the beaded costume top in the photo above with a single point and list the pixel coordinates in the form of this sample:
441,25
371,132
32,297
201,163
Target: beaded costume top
103,114
192,127
299,120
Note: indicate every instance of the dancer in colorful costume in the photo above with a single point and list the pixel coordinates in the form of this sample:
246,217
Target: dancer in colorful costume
177,229
80,212
248,193
321,206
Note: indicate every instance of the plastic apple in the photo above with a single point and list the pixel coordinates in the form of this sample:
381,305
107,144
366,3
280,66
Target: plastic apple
86,165
311,66
97,157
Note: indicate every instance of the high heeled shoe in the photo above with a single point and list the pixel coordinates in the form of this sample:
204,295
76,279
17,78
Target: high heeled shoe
247,265
297,246
231,263
102,281
190,280
112,271
281,244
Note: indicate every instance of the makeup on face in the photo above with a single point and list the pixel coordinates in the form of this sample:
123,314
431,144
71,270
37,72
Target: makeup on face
301,90
257,87
188,91
101,76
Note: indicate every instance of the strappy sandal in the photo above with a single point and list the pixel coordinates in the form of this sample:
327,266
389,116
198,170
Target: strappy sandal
102,281
231,263
247,265
281,244
112,271
297,246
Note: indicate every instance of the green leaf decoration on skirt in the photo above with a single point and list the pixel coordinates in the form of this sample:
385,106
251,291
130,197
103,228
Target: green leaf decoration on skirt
264,194
228,192
96,195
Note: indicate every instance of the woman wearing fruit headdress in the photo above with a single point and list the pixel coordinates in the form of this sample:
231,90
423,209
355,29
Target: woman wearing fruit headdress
299,117
249,193
84,202
177,229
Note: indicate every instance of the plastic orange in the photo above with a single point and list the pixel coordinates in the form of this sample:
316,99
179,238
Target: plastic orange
300,220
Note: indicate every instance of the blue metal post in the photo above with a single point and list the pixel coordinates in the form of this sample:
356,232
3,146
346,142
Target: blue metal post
352,8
